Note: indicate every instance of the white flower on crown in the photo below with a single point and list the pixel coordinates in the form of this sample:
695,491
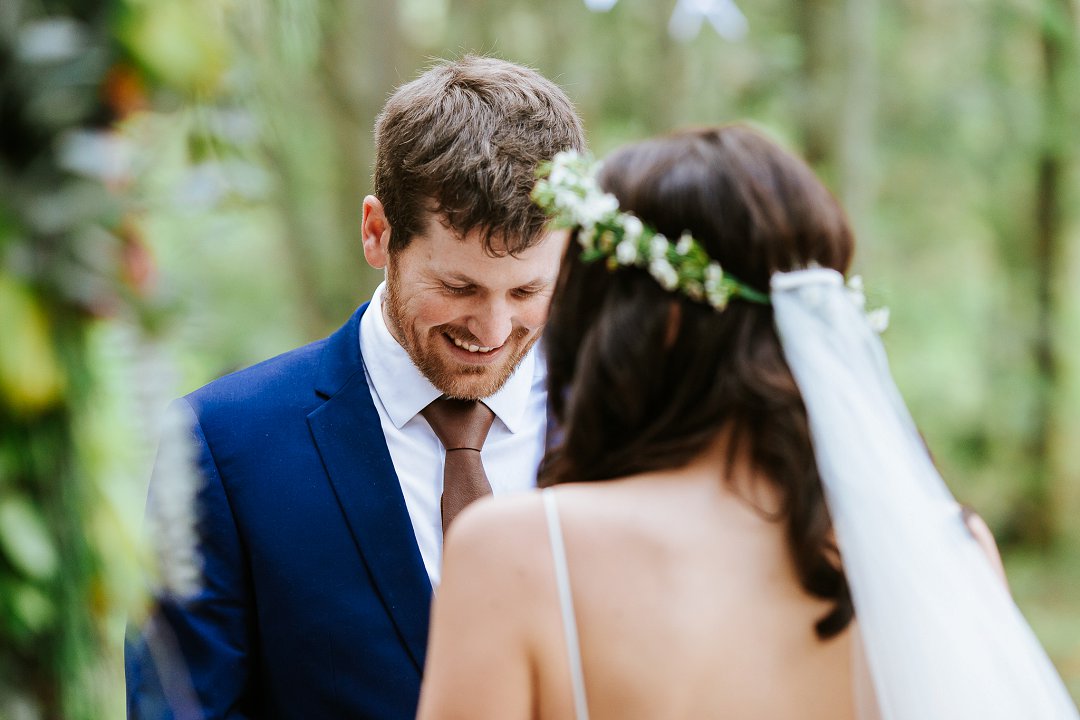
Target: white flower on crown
598,207
718,296
878,319
695,290
587,237
658,247
567,200
626,252
568,191
855,291
664,273
559,174
714,274
632,228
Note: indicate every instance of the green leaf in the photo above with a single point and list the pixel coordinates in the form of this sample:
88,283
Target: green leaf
25,539
33,608
182,42
31,379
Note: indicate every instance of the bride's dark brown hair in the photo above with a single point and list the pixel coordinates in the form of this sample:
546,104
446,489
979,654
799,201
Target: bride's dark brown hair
631,394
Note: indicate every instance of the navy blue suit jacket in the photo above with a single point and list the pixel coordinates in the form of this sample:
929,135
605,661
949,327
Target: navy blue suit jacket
315,600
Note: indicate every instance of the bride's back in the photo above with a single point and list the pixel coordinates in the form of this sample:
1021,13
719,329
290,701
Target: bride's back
691,601
687,606
705,582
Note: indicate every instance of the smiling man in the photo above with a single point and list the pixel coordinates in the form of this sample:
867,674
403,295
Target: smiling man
330,473
466,313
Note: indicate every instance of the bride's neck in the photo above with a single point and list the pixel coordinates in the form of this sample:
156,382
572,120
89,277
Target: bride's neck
727,462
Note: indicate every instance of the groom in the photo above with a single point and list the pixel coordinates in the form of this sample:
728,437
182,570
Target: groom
321,508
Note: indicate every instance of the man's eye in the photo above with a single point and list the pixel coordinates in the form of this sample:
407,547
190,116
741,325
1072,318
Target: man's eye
457,289
525,292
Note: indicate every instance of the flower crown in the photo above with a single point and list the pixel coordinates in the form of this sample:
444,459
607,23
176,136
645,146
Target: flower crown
568,191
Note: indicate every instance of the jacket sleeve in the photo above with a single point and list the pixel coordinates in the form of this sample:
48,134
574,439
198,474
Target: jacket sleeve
193,656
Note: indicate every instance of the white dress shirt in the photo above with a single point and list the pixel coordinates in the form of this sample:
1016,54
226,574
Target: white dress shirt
512,451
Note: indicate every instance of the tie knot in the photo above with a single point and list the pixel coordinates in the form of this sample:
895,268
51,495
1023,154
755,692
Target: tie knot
459,424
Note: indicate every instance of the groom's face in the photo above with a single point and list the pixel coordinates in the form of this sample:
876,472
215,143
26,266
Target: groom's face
467,318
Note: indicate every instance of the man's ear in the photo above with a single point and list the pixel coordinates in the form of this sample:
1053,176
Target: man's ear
375,231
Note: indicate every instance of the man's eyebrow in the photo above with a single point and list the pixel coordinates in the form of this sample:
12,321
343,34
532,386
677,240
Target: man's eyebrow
464,279
540,282
461,278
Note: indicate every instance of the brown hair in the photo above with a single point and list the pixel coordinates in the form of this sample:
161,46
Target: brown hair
463,140
629,399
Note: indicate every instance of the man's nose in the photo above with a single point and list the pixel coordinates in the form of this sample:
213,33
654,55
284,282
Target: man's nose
491,324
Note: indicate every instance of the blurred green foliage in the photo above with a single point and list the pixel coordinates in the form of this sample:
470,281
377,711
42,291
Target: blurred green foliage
57,272
180,190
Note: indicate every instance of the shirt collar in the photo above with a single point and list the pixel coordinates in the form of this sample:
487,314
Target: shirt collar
403,389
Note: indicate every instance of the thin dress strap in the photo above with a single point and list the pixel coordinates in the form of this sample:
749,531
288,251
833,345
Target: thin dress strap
566,604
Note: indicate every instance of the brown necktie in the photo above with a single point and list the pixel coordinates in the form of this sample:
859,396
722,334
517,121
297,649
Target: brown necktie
461,426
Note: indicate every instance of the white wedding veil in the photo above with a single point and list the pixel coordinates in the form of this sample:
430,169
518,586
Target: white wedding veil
940,632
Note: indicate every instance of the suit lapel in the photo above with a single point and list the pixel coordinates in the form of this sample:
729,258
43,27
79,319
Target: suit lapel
349,437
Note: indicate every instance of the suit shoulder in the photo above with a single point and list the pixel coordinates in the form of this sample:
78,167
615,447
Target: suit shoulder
284,378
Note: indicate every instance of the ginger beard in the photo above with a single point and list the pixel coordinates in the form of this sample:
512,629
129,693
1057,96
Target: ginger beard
432,351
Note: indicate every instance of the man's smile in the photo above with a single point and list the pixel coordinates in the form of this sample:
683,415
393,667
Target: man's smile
472,353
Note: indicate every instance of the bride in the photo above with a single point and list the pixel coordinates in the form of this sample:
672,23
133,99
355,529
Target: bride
740,519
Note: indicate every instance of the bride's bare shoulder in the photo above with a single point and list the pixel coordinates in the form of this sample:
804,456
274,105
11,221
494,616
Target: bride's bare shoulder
497,534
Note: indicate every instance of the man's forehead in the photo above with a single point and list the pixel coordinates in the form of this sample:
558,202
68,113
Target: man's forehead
493,242
495,271
469,263
436,224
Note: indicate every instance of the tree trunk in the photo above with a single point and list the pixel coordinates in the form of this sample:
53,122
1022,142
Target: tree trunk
1036,521
856,145
817,21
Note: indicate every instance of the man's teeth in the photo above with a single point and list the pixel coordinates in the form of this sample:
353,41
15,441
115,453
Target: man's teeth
471,348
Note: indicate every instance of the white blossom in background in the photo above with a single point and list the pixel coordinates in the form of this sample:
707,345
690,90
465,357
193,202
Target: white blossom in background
689,15
48,41
171,518
723,15
100,154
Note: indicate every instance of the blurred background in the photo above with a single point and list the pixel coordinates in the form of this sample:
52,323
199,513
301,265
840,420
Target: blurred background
180,193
